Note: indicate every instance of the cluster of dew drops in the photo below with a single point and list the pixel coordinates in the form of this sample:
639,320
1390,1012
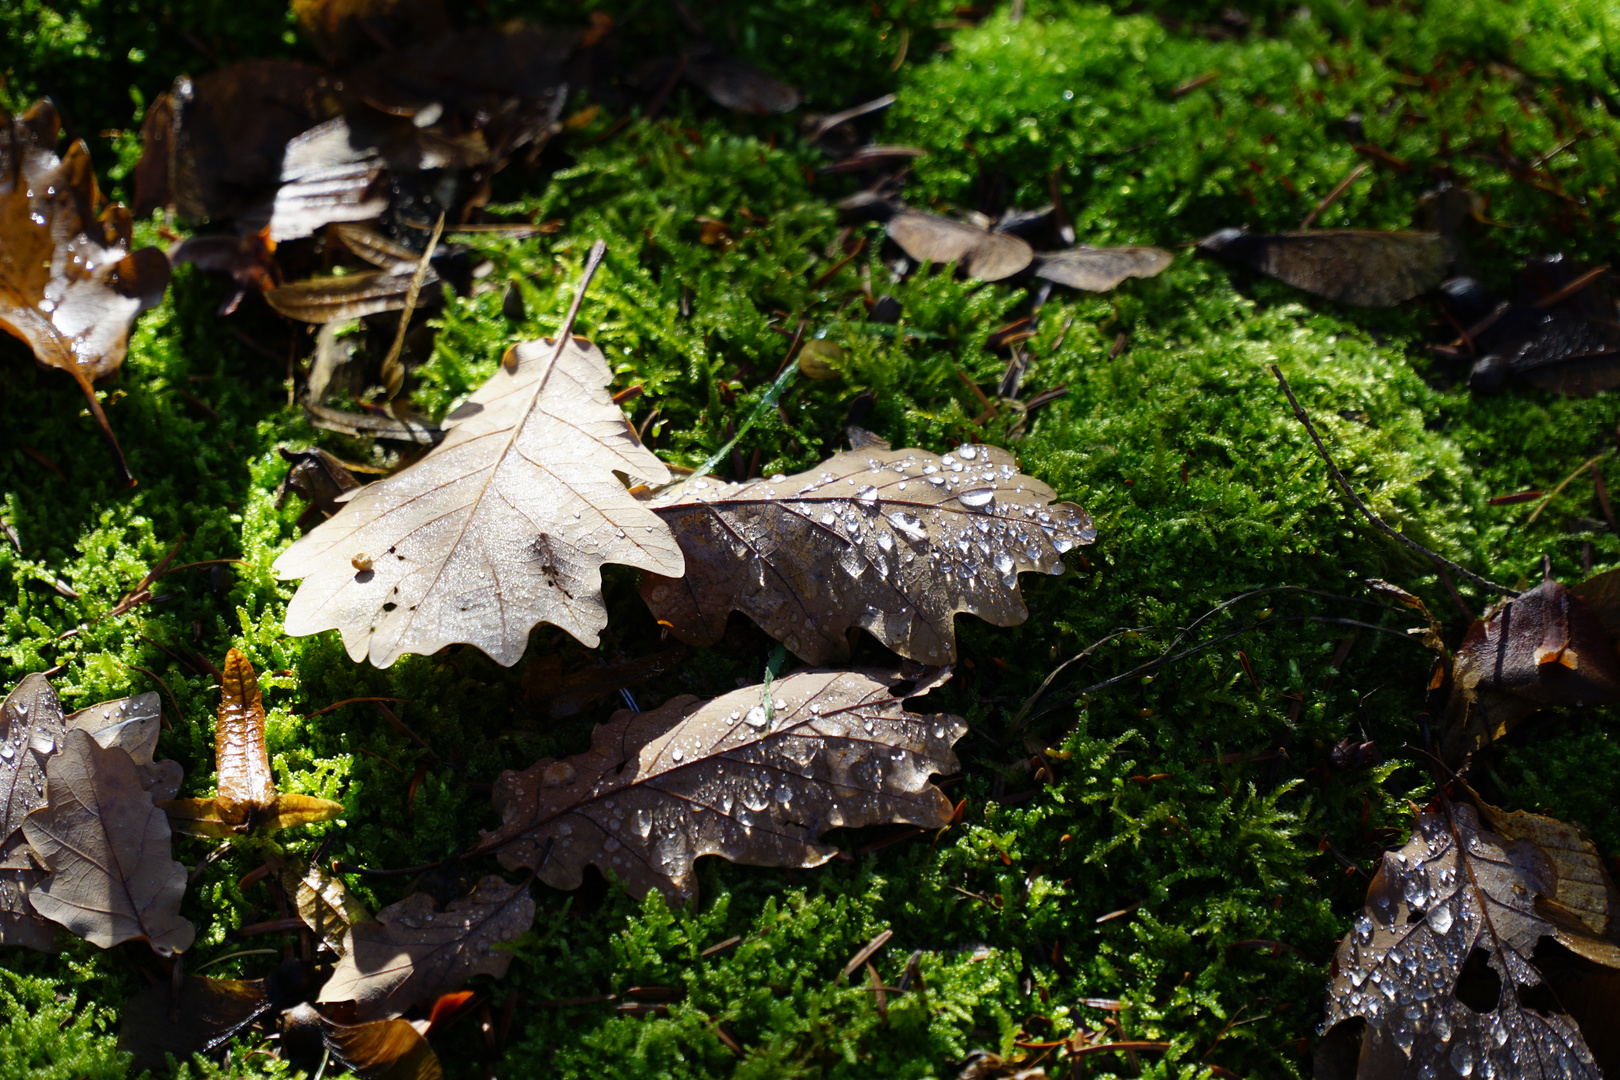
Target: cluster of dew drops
1408,983
13,751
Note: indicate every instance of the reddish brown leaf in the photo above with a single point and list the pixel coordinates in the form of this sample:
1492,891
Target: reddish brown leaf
383,1050
413,953
755,776
893,541
107,847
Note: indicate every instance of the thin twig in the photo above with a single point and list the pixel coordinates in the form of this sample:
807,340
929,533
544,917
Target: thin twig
1559,490
1331,197
1376,521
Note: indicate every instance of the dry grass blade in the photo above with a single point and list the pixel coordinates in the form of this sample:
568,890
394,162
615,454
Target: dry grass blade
107,847
893,541
1448,915
505,524
755,776
1360,267
413,953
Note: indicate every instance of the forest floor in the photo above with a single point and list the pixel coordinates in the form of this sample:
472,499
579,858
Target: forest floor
1188,861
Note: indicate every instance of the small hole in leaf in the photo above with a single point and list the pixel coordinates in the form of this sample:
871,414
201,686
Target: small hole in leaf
1478,985
390,606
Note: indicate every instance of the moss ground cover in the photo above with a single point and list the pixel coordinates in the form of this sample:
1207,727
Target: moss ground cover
1169,809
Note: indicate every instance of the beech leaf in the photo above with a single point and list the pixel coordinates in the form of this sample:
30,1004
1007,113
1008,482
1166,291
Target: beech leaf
1452,919
1360,267
755,777
503,525
413,953
71,283
247,797
894,541
1543,647
107,848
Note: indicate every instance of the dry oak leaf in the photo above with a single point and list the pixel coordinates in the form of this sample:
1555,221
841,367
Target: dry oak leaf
107,847
413,953
70,283
324,904
755,777
894,541
1544,647
247,797
1451,919
31,730
503,525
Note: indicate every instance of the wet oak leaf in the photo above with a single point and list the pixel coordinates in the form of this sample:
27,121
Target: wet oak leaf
1360,267
107,847
71,281
1451,918
247,798
19,923
753,777
413,952
1542,648
505,524
31,730
133,724
894,541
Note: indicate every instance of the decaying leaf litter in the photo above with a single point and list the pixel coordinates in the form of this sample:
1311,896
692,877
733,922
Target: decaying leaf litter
1094,478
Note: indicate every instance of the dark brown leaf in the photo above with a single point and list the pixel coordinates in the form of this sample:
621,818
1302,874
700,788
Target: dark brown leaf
107,847
413,953
19,923
31,730
1542,648
561,696
1559,335
324,904
1101,269
738,86
1441,963
316,476
339,299
342,30
893,541
1360,267
755,777
983,255
209,1013
383,1050
247,797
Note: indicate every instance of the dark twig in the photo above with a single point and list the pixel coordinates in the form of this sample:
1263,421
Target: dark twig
1376,521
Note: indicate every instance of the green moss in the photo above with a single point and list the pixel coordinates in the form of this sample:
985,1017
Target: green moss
1170,809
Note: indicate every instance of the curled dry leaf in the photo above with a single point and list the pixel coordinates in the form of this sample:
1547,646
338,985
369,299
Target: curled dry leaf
247,797
19,923
107,847
1442,962
1541,648
503,525
70,282
1360,267
382,1050
1096,269
31,730
893,541
208,1013
413,953
318,477
324,904
755,777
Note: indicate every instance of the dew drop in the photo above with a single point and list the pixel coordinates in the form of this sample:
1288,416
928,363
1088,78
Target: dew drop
977,498
784,794
643,822
611,844
755,718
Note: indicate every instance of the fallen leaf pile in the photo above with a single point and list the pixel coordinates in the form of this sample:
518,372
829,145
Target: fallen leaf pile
71,280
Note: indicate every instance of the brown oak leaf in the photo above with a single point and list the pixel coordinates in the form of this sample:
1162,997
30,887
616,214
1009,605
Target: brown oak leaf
70,282
503,525
31,730
107,848
755,777
893,541
247,797
1442,963
413,952
19,923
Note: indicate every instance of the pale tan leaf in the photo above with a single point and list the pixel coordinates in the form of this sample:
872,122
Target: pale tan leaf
752,777
1454,889
984,255
503,525
107,847
893,541
324,903
31,729
1101,269
412,952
